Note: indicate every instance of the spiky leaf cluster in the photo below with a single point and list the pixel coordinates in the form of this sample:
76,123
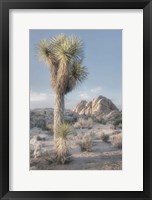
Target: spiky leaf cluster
63,130
64,56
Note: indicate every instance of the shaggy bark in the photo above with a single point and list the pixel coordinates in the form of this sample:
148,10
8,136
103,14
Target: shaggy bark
58,111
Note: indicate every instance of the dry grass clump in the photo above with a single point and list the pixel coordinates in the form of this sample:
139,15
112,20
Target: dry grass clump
37,150
116,140
62,154
104,137
85,142
84,123
111,126
116,132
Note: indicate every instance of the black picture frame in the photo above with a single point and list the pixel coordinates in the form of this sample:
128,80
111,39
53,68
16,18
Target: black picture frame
5,5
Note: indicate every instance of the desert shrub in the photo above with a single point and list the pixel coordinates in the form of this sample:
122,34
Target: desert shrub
68,122
100,119
31,152
103,121
111,126
49,127
40,138
71,119
49,156
116,140
90,121
37,150
120,126
116,132
85,143
62,154
104,137
84,123
117,122
40,123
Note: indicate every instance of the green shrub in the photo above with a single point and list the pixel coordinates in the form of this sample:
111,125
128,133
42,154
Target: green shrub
103,121
68,122
104,137
117,122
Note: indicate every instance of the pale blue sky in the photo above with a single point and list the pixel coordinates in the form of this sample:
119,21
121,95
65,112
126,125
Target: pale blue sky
103,57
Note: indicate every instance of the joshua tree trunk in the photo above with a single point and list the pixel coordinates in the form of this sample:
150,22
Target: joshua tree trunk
58,111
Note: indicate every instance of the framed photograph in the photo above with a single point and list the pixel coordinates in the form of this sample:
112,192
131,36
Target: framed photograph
75,99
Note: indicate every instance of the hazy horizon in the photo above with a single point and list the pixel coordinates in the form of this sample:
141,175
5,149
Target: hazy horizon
32,108
103,58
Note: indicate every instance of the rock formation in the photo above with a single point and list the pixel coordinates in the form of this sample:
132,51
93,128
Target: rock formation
98,106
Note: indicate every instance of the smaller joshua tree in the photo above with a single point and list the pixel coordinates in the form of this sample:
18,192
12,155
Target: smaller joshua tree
64,56
62,153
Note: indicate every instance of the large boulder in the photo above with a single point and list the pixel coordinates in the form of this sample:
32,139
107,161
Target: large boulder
80,108
100,106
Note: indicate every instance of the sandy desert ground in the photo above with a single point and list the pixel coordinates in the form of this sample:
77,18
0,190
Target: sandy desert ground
102,156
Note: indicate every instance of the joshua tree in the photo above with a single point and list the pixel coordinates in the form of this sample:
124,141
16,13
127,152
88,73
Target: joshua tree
64,56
